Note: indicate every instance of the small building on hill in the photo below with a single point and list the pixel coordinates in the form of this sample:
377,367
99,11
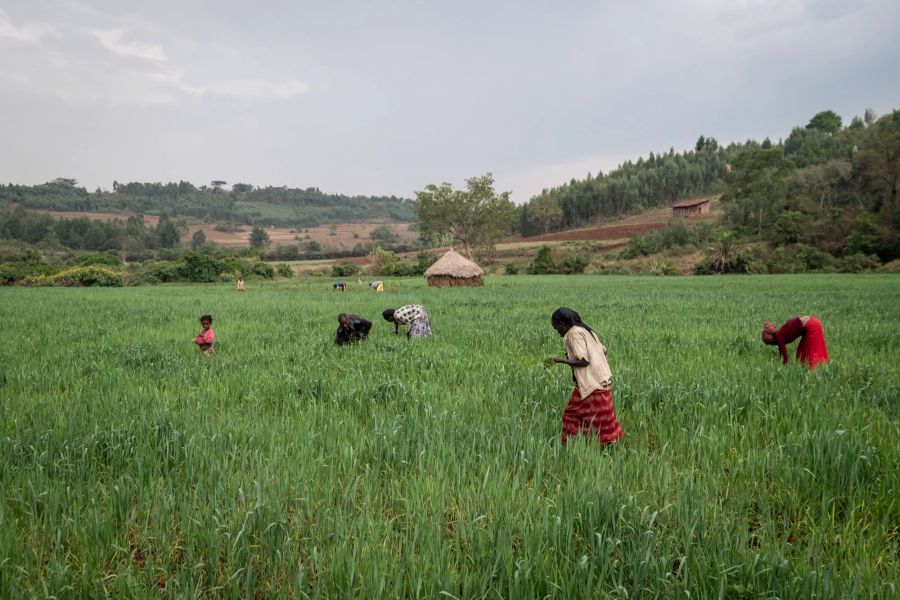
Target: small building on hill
694,207
452,270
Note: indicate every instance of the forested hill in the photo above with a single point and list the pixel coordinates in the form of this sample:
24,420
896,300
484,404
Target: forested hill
278,206
821,166
655,181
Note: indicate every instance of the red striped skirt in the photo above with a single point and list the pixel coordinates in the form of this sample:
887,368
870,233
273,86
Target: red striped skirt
594,414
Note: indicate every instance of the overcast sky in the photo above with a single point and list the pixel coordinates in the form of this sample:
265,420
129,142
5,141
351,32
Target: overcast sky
386,97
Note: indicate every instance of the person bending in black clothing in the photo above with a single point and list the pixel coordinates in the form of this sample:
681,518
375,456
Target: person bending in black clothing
351,328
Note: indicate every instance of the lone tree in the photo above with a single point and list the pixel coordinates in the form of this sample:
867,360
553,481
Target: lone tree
198,239
476,216
545,212
384,234
217,185
168,231
259,238
827,121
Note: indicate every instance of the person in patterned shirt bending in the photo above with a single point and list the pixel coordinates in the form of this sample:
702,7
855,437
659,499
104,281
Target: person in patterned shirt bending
413,315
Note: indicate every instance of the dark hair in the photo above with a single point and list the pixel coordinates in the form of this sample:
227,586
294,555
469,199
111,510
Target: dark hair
570,318
388,314
206,318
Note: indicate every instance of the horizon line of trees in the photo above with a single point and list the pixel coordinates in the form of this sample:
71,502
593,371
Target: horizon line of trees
244,203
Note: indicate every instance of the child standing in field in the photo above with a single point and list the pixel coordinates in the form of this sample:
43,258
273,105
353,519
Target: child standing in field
590,407
240,284
206,337
811,351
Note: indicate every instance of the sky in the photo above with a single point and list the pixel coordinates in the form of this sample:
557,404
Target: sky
384,98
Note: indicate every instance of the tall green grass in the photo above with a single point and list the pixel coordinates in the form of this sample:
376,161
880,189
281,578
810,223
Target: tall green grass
283,466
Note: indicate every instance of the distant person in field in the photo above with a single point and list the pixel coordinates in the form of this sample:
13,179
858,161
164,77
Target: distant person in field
811,351
240,284
590,407
378,286
338,285
207,336
351,328
413,315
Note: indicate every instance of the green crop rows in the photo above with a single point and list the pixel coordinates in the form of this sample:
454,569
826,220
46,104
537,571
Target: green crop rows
286,467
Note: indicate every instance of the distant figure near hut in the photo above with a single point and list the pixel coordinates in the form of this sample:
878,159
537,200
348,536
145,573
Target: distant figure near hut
452,270
694,207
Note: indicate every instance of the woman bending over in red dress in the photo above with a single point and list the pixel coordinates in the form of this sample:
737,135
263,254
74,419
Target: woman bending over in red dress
811,351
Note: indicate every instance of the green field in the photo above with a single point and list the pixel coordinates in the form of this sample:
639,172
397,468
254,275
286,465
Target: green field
286,467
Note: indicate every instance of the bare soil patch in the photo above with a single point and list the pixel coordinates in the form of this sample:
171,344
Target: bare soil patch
623,229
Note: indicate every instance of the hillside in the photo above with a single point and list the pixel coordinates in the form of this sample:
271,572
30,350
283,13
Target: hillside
243,204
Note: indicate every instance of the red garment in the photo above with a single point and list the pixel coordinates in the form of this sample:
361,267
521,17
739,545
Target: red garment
811,351
594,412
205,337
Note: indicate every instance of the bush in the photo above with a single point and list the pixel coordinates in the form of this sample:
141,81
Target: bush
264,270
891,267
9,275
285,270
156,272
345,270
108,260
37,281
799,258
200,268
857,263
663,269
543,261
550,260
78,277
512,269
424,260
572,261
398,269
737,263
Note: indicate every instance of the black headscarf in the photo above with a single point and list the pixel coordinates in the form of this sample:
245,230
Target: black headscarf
570,318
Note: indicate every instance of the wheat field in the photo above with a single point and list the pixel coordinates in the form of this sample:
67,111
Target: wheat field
286,467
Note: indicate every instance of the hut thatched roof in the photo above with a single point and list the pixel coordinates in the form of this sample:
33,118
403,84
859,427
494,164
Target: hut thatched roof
453,264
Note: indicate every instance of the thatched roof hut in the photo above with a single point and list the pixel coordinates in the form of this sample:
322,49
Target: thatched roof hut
453,269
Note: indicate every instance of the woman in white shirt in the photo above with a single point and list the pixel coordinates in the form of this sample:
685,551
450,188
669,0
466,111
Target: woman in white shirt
590,407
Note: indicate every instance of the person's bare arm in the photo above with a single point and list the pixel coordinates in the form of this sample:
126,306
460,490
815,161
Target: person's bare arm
572,362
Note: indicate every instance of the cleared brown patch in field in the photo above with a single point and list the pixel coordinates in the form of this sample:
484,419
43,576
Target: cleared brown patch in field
624,228
339,236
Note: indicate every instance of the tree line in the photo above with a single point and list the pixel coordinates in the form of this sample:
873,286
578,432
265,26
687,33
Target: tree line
244,203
